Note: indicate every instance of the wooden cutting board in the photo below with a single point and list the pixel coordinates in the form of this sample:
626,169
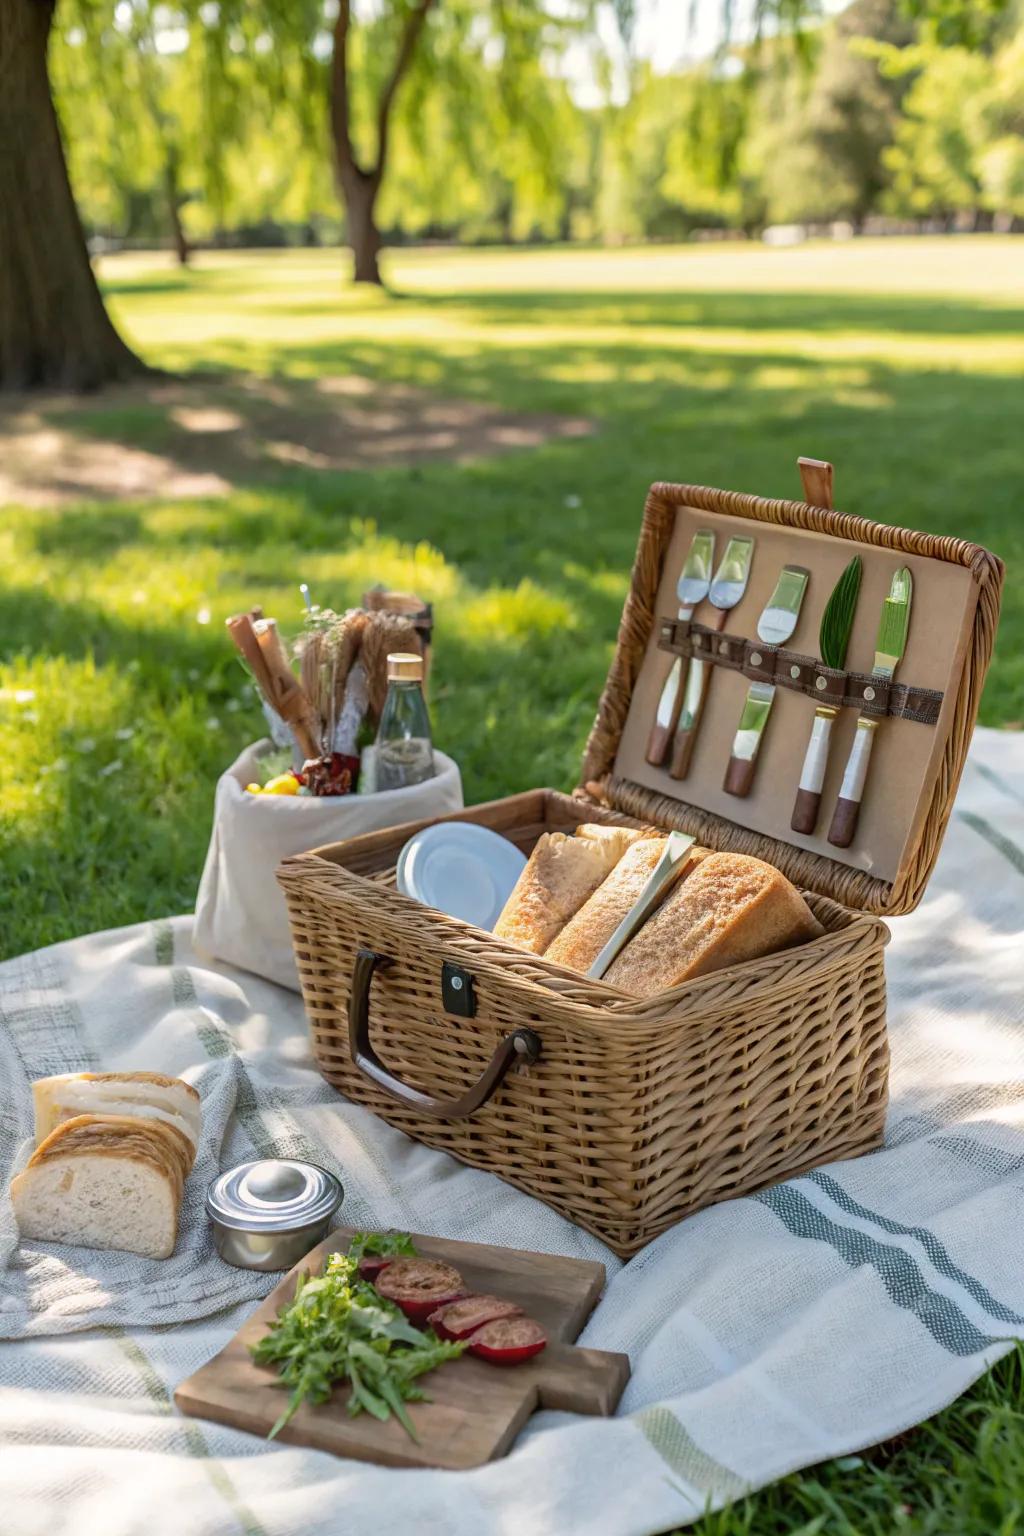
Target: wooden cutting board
476,1410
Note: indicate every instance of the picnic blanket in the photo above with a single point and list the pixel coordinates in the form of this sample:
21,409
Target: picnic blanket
766,1334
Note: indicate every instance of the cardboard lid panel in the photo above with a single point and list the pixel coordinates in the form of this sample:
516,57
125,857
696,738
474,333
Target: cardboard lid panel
914,767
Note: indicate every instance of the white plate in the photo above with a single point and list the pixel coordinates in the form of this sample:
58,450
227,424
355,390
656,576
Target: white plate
462,869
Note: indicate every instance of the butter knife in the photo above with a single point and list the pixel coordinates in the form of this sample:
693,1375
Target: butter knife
692,589
890,644
727,589
833,639
776,624
668,868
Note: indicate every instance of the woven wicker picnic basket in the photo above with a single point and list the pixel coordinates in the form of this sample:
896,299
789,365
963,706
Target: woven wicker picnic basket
626,1114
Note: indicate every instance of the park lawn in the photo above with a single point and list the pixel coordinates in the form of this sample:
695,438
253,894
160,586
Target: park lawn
121,701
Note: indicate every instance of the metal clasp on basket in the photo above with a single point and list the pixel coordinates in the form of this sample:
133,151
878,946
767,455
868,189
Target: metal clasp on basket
458,993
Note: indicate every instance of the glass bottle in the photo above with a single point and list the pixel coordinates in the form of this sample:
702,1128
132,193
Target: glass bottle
405,752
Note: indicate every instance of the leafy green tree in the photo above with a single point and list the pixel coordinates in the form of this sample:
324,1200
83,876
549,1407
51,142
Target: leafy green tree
934,162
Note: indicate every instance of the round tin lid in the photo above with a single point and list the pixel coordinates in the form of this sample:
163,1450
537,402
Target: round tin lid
273,1195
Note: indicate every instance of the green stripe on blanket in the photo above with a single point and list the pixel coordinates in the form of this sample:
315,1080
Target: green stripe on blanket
898,1272
929,1242
677,1448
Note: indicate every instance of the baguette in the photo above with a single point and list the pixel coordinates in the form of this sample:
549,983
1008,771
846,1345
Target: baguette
561,874
731,908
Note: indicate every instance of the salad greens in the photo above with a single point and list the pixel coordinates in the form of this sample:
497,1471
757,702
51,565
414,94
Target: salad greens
337,1328
384,1245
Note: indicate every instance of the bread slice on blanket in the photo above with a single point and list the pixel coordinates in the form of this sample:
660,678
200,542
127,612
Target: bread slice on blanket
560,874
85,1128
112,1184
148,1095
731,908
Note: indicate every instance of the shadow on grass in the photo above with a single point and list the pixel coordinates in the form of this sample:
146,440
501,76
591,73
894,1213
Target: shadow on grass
923,446
822,313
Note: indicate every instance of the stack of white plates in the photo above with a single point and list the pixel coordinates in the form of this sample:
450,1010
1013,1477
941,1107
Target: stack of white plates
460,868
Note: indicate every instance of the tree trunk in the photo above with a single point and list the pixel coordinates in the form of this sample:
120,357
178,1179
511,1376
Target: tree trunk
363,234
181,246
359,186
54,330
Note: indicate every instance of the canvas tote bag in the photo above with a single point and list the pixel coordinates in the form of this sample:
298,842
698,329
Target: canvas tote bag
241,916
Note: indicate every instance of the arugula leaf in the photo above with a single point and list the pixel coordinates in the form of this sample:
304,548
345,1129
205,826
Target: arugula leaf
336,1328
383,1245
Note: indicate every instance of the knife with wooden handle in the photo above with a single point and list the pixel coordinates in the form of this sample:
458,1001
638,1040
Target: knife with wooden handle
889,648
692,589
833,640
727,590
775,626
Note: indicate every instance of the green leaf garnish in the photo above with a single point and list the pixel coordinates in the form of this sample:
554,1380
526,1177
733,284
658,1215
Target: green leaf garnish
336,1328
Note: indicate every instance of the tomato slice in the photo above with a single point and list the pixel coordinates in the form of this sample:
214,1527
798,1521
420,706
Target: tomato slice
461,1318
371,1266
419,1286
508,1340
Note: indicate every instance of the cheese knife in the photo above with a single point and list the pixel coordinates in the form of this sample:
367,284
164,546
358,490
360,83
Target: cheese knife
692,589
776,624
664,874
833,639
727,589
889,647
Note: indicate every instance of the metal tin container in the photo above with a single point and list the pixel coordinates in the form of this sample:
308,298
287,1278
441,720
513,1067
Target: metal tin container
269,1214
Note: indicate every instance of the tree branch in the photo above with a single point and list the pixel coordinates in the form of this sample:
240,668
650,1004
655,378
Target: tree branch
414,24
341,124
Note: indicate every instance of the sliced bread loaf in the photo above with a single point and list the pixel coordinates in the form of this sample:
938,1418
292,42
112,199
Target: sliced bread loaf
585,935
103,1184
149,1095
731,908
560,874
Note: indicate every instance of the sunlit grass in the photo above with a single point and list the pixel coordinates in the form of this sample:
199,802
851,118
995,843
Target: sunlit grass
899,359
121,701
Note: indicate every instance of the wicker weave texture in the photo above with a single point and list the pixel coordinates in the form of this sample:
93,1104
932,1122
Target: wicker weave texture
637,1113
811,871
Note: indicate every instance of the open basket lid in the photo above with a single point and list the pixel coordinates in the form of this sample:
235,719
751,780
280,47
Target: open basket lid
917,751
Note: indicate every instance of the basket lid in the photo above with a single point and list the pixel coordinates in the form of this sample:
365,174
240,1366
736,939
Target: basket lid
917,726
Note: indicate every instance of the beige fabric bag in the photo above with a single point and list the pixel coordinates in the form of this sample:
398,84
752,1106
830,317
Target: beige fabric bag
241,916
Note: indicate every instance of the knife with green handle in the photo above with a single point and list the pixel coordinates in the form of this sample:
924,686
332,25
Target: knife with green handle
692,589
833,640
776,624
727,589
889,648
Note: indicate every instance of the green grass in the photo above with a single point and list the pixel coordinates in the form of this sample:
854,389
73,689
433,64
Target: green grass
121,702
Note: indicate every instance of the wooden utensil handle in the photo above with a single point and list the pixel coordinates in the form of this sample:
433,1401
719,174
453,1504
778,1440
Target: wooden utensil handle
739,776
847,812
666,719
807,805
521,1045
806,809
698,680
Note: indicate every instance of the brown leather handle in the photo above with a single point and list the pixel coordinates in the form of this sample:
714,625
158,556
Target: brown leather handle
521,1045
806,807
739,776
